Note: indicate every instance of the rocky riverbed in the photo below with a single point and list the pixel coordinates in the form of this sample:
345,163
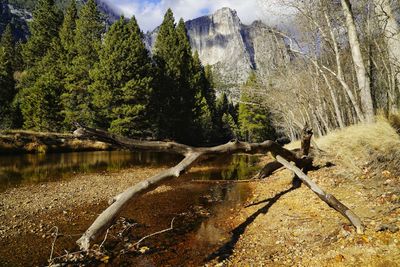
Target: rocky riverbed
256,223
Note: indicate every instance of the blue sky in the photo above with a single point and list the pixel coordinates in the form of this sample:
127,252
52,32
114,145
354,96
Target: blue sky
149,13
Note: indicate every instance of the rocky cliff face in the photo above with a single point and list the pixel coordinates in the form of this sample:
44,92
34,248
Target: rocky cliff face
232,48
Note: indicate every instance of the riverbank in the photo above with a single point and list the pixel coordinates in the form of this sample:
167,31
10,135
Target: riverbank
28,213
20,141
32,213
256,223
287,226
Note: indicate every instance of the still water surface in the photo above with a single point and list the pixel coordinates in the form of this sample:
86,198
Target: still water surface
37,168
18,170
203,209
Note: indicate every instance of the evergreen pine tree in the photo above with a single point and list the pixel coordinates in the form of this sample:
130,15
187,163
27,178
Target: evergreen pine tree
43,28
67,31
7,83
230,130
7,42
254,119
205,102
222,104
226,124
176,93
7,89
123,81
76,99
165,97
40,102
190,87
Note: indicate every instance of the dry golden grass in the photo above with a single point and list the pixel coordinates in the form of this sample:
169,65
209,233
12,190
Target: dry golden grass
365,147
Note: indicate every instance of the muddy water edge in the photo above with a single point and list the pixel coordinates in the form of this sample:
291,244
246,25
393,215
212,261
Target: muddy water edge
199,207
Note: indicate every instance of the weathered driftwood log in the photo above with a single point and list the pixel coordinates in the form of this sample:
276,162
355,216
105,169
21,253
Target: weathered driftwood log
328,198
191,154
303,161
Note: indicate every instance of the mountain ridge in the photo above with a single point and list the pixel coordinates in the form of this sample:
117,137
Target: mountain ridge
232,48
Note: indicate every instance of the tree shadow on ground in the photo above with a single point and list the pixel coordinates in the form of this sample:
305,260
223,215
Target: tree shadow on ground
226,250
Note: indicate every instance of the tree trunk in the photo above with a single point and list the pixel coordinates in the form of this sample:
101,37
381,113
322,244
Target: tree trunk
359,66
390,28
328,198
192,154
339,73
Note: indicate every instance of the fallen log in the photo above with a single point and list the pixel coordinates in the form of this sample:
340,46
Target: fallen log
191,154
327,198
303,160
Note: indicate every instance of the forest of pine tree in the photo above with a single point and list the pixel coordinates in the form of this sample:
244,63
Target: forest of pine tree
71,69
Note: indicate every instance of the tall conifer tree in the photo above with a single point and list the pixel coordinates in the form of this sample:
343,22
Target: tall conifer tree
175,95
165,97
76,99
205,116
43,28
189,87
7,87
7,41
123,81
67,31
254,119
40,102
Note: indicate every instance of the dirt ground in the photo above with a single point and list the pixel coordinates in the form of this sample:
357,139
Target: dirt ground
277,224
287,226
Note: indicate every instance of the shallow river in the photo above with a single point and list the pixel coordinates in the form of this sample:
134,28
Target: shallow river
202,209
37,168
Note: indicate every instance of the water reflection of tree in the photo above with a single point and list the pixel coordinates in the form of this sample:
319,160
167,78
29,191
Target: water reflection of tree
241,167
37,168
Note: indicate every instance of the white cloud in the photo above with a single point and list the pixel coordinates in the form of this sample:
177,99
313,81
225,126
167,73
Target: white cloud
150,13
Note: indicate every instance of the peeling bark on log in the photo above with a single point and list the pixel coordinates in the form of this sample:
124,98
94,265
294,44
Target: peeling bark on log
328,198
192,154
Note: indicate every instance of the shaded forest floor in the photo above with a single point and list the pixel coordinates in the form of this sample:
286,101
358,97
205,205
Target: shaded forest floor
262,223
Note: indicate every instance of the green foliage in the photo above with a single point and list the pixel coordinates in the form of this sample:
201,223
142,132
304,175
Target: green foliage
43,28
226,119
39,98
72,74
7,83
230,130
254,119
67,31
7,89
175,96
122,81
76,98
7,42
205,111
